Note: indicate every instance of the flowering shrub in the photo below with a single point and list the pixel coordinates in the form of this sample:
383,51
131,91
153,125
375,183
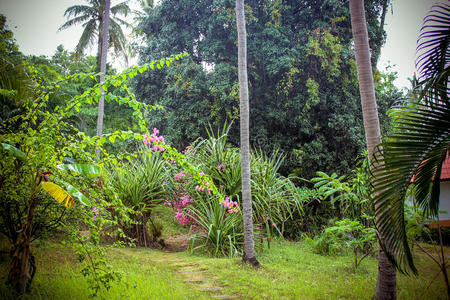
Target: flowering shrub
231,206
155,141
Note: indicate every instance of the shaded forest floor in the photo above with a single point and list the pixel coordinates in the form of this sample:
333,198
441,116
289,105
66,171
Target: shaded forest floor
289,271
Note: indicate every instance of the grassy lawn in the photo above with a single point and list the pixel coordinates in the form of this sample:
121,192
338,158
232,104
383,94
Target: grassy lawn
289,271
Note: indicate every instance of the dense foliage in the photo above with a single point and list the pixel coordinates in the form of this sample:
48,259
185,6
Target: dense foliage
302,78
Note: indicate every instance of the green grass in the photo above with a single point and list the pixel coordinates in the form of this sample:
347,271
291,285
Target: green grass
289,271
57,277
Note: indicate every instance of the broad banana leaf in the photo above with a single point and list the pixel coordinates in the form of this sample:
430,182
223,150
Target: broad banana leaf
82,169
74,192
58,193
14,151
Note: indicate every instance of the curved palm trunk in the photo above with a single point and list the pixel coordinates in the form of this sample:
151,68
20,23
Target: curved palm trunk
386,284
103,54
249,247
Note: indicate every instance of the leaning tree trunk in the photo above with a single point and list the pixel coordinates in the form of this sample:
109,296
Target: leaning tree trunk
386,284
249,245
103,54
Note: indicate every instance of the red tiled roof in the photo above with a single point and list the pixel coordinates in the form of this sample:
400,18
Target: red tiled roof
445,173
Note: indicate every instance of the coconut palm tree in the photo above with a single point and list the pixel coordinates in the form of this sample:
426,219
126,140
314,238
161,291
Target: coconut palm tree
92,17
249,247
103,56
414,154
95,18
386,284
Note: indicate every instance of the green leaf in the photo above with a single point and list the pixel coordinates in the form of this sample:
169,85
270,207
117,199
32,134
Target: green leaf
74,192
14,151
82,169
112,138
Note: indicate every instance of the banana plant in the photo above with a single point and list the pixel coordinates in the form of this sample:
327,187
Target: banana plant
22,266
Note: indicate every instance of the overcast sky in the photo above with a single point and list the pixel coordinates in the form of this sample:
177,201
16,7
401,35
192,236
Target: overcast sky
35,25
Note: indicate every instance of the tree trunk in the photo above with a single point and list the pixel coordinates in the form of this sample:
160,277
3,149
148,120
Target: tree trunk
103,54
22,267
249,246
386,284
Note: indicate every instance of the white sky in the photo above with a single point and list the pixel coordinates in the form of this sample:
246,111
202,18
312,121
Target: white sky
402,26
35,25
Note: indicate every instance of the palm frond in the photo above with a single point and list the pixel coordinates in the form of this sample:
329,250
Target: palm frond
121,9
74,21
433,54
87,37
410,156
117,39
413,155
76,10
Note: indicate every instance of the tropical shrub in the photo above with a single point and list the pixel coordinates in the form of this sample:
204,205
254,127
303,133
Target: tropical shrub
139,185
346,235
220,228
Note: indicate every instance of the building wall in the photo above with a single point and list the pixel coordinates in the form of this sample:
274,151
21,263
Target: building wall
444,200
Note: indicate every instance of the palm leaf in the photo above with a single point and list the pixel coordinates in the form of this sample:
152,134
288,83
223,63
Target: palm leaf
58,193
434,53
87,37
76,10
413,155
74,21
120,9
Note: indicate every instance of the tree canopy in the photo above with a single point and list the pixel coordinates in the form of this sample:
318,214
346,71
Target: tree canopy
302,76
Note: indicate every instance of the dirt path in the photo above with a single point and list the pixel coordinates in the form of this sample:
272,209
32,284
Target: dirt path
195,276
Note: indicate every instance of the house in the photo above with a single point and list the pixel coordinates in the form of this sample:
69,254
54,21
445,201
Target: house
444,199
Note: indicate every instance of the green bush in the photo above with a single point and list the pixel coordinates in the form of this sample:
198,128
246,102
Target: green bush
220,233
346,235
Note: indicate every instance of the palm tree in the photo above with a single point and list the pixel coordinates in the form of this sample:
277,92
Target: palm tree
414,154
92,17
386,284
103,56
249,247
98,25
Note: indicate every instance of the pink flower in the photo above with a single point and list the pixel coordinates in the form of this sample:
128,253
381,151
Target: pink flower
179,176
155,131
220,167
201,174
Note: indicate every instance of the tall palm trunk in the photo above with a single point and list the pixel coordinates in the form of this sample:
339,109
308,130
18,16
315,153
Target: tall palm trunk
386,284
103,54
249,246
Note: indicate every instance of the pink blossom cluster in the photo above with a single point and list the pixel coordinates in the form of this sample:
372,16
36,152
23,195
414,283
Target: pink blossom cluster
155,141
95,211
231,206
182,199
179,176
201,188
